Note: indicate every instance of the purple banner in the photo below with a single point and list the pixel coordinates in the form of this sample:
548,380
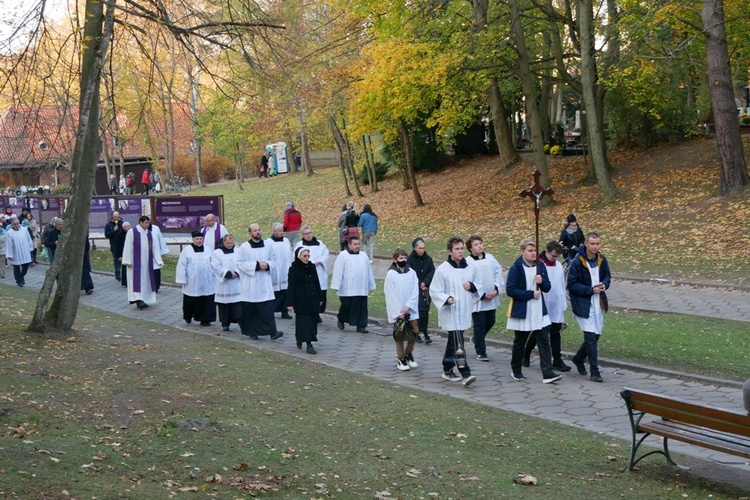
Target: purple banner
185,214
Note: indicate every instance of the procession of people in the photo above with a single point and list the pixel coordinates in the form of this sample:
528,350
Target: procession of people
248,282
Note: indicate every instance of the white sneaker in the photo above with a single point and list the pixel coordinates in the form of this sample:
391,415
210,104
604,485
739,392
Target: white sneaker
410,361
402,365
469,380
451,376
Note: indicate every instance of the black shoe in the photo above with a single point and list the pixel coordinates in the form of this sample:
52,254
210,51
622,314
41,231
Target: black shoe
483,357
89,291
253,337
188,320
299,345
118,278
225,328
595,377
311,350
141,305
427,339
285,316
560,366
340,325
526,362
205,323
550,378
419,340
277,335
362,329
517,375
320,320
580,367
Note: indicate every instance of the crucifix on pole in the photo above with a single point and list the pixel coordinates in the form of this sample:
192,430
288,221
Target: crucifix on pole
536,192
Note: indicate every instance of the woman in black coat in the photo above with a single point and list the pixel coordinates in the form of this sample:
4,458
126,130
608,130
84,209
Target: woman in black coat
425,269
304,297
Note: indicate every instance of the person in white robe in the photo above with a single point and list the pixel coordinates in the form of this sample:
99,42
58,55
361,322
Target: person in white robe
527,312
213,232
320,256
588,280
227,296
556,302
491,275
283,256
255,262
353,280
18,247
195,274
139,256
160,245
454,290
401,290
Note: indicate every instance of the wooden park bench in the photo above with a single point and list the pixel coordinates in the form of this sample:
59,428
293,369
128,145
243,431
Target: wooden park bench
727,431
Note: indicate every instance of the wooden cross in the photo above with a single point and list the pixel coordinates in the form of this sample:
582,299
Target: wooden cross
536,192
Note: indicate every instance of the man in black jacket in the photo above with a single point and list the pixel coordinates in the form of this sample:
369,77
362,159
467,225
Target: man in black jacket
112,230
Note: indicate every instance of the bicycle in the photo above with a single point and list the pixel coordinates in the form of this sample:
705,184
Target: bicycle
176,185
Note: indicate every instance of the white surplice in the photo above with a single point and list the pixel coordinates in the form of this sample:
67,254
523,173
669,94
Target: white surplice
535,318
146,294
194,272
401,290
491,276
555,298
282,253
448,281
18,245
160,243
319,255
595,322
255,285
227,290
352,275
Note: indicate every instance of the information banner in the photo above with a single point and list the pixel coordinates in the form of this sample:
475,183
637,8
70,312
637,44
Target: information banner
185,214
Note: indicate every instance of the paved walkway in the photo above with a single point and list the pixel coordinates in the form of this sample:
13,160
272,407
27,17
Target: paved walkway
573,401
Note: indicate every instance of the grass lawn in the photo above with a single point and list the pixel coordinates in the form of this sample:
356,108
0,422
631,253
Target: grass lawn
138,410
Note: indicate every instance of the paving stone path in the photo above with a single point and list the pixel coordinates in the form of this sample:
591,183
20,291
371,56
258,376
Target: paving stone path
573,401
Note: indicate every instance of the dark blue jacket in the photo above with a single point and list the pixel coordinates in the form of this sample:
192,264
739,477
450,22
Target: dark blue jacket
515,287
580,287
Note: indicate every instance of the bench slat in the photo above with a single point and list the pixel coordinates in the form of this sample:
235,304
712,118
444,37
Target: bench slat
699,436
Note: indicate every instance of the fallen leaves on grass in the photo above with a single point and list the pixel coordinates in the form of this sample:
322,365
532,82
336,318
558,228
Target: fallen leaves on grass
525,479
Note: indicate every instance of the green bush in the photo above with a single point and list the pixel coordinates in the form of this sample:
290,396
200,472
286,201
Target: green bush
381,170
62,189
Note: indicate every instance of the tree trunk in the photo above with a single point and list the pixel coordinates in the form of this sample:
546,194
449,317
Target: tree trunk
337,141
305,154
62,313
352,171
589,84
732,168
238,174
409,154
369,155
503,135
529,91
368,168
196,142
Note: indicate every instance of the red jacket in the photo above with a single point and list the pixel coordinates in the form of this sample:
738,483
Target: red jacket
292,220
145,178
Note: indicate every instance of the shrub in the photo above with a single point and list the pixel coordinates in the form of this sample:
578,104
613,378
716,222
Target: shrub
214,168
745,119
546,149
555,150
62,189
381,170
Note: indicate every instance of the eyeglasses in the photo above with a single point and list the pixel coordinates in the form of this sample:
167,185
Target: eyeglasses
554,256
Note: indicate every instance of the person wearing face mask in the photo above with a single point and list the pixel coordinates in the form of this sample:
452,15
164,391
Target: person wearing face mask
423,265
571,237
402,303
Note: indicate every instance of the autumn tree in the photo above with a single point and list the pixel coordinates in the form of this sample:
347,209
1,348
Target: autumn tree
732,169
